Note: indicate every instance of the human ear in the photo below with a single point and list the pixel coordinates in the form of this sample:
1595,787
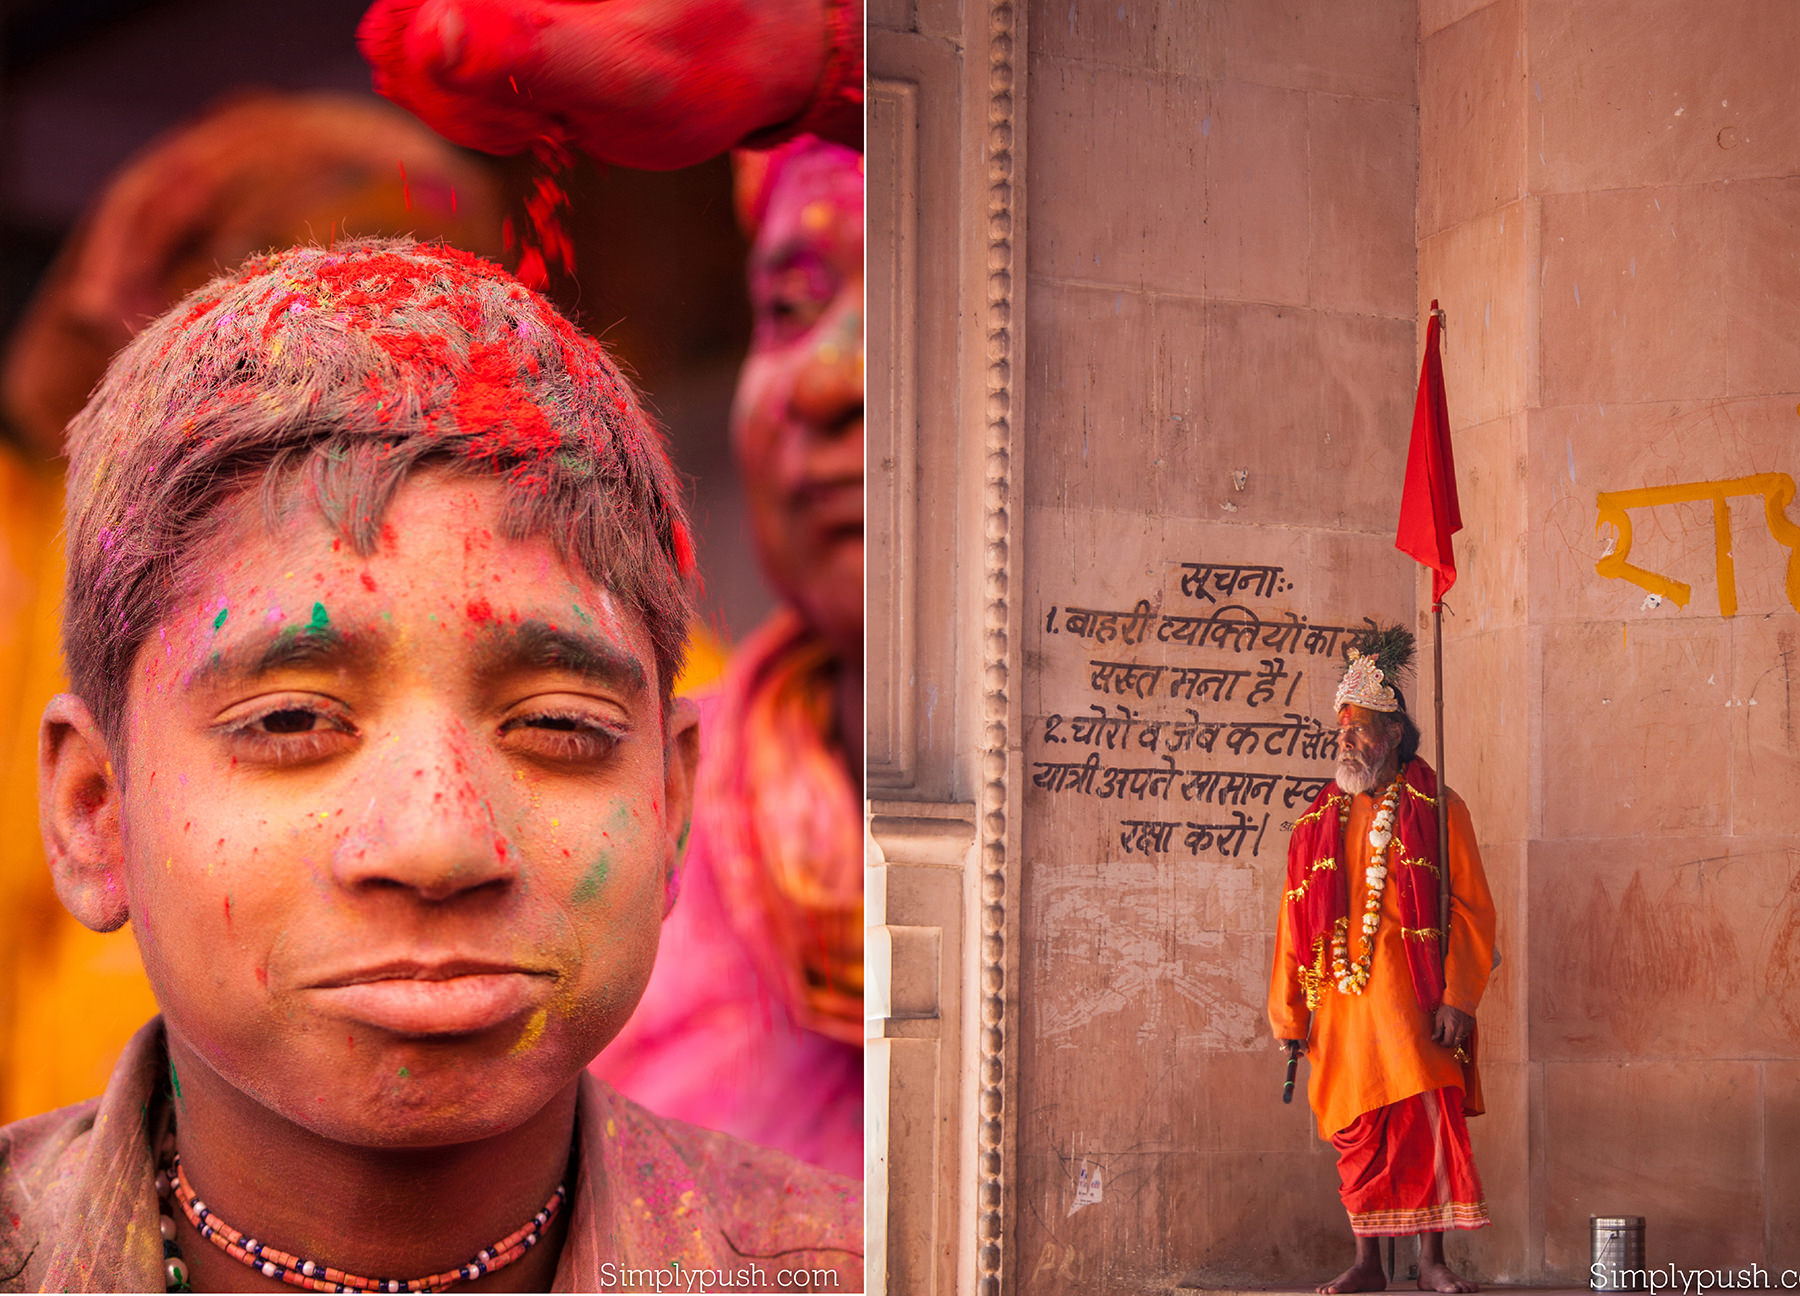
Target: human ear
681,753
78,812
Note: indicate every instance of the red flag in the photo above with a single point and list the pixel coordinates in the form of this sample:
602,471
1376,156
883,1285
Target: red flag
1429,515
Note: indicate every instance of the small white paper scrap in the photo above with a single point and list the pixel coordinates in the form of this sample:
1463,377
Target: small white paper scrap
1087,1187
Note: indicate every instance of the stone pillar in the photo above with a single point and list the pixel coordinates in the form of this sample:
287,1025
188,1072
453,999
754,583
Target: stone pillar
946,306
1478,244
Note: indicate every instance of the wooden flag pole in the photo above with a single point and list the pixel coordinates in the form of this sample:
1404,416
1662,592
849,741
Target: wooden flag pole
1443,817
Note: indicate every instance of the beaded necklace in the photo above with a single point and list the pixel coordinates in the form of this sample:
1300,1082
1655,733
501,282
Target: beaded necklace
1351,978
298,1272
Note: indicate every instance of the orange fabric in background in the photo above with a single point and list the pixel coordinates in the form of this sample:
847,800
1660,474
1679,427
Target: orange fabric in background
1408,1167
1375,1048
69,997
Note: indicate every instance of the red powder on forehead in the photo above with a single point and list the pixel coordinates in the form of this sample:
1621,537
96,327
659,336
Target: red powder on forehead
480,611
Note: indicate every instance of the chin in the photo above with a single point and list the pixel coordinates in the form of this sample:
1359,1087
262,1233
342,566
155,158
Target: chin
1355,779
412,1093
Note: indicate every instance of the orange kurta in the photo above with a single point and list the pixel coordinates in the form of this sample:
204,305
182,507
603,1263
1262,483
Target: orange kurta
1375,1048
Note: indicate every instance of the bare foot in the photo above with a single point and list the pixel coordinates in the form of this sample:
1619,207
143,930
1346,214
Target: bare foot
1359,1277
1437,1277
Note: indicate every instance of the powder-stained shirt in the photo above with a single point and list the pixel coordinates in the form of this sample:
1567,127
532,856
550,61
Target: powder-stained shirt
1371,1049
78,1204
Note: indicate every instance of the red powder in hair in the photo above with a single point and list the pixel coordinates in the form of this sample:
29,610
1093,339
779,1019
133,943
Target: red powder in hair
501,424
462,309
279,309
684,550
431,349
199,308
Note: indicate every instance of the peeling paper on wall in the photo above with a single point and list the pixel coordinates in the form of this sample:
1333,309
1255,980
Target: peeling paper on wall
1087,1187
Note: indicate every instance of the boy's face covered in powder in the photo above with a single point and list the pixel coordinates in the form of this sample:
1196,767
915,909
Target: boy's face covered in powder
395,830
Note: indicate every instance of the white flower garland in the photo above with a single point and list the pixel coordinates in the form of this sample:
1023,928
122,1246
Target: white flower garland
1352,977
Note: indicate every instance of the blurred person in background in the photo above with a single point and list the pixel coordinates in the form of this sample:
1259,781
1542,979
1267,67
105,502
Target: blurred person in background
752,1022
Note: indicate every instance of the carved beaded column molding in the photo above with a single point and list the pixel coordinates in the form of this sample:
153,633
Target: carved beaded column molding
1001,793
942,626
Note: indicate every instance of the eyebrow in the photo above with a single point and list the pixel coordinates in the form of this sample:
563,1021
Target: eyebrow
537,645
532,644
262,654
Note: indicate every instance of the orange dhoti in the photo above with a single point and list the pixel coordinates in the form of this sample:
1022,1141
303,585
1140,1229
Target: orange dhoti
1408,1168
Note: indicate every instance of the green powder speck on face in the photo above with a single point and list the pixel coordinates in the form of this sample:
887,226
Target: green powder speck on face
591,882
175,1079
404,1073
319,618
220,619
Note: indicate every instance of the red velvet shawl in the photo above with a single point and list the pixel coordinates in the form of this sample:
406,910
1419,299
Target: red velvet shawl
1316,904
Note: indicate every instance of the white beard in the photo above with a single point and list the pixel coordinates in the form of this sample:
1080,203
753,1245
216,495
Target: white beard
1354,777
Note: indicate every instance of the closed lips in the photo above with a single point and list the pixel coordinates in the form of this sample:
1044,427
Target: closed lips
444,999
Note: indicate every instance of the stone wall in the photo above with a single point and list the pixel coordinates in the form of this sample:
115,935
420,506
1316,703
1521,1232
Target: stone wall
1160,276
1219,370
1607,208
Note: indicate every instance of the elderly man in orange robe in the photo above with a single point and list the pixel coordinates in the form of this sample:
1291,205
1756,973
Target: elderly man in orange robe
1362,986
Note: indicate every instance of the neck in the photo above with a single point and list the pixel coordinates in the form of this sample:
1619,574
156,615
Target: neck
376,1212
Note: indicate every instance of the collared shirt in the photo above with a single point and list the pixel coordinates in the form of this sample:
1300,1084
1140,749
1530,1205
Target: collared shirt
79,1211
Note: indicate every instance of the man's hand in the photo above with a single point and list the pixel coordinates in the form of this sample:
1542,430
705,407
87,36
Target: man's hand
1452,1027
654,84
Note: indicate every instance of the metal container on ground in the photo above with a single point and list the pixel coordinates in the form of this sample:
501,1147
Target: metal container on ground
1618,1253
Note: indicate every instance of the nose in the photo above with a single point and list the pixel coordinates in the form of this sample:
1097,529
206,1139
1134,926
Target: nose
422,819
828,391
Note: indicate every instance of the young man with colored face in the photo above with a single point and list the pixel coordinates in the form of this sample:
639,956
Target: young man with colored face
377,585
1363,985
